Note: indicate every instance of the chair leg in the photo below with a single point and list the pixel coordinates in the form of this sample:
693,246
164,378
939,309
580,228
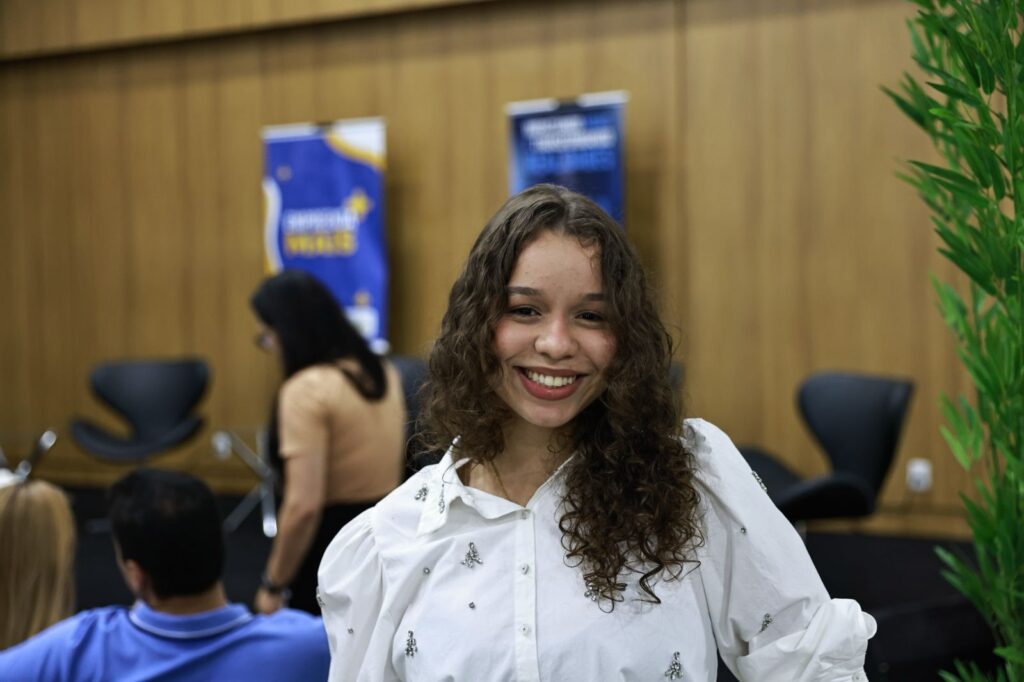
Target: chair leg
227,442
238,514
269,512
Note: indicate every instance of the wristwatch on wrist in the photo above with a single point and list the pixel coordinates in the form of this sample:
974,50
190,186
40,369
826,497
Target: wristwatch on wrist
267,584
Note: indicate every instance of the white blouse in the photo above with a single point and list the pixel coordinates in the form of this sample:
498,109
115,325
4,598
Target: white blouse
440,581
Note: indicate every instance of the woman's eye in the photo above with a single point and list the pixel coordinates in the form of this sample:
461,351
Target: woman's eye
591,316
522,311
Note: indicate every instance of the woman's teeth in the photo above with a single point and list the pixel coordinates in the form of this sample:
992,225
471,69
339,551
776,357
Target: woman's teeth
550,382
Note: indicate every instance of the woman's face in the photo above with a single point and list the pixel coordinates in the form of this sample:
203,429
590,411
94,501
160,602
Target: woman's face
553,341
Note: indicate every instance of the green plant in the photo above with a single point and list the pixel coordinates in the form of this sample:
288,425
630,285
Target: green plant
971,104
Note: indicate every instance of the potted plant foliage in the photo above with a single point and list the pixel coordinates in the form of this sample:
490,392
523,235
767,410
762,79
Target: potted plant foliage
969,98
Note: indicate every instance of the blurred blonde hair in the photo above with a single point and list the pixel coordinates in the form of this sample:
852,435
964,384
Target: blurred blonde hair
37,537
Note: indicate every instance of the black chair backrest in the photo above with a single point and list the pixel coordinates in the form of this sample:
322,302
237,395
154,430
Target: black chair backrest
414,372
857,420
153,395
414,375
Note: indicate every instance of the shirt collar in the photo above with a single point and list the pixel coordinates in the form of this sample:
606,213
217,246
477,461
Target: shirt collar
444,488
190,626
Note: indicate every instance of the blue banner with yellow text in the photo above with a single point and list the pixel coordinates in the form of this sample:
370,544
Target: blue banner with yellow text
575,143
324,191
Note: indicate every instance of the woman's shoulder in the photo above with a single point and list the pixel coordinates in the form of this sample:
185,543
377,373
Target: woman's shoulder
312,379
715,454
722,475
395,519
325,382
701,437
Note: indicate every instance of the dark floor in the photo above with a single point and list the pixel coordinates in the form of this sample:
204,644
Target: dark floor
923,622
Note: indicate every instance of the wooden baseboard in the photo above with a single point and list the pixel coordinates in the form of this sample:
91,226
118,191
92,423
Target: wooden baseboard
913,522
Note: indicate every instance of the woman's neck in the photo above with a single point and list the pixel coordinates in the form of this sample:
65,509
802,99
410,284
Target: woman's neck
529,459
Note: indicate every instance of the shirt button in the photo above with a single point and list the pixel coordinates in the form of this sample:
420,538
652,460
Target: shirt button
524,629
524,569
525,514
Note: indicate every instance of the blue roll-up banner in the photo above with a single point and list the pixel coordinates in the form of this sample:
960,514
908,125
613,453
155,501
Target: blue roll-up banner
575,143
324,190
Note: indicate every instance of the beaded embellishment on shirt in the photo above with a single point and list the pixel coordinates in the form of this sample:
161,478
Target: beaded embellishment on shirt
759,481
675,671
421,494
592,594
440,500
472,557
410,645
765,622
743,529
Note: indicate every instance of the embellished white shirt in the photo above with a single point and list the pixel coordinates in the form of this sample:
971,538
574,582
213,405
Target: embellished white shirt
441,581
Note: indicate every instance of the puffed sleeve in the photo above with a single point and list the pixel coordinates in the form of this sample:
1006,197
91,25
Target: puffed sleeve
352,590
771,615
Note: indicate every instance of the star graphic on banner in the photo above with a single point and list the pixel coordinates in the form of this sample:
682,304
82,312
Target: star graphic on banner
358,203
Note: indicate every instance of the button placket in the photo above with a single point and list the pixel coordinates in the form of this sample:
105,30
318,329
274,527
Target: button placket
525,586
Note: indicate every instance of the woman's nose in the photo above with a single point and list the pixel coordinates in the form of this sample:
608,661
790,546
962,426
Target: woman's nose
555,340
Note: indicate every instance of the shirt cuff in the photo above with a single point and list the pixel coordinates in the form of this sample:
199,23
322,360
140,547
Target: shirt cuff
830,649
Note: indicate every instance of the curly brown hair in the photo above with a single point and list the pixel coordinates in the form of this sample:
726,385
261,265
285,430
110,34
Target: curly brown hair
630,503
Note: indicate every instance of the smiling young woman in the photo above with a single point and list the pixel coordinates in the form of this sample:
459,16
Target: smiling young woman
576,528
553,342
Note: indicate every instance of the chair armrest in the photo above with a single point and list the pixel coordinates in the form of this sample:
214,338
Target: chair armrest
836,495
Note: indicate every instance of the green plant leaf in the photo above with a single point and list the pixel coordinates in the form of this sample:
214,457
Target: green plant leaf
955,90
952,176
1010,653
912,112
956,447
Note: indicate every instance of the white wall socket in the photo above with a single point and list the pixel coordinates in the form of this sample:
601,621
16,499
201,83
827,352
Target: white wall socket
919,475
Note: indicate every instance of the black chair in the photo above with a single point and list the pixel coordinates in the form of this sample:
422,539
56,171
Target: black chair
413,371
40,447
156,397
857,420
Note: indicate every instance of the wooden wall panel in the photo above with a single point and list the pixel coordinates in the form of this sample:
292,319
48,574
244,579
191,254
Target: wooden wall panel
760,158
34,28
807,254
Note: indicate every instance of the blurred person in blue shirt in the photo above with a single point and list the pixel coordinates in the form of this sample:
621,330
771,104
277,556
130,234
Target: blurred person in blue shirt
170,549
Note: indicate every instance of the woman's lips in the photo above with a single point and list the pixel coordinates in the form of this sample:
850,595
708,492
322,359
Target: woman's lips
536,387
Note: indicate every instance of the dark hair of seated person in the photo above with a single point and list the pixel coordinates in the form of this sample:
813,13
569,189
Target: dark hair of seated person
169,524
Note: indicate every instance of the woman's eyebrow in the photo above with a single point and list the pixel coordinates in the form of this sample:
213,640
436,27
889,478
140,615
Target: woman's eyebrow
523,291
530,291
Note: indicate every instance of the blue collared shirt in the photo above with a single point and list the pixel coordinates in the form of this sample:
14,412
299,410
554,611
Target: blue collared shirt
116,643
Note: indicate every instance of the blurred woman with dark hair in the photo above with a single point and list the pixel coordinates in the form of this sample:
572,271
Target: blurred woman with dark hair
336,430
37,557
576,528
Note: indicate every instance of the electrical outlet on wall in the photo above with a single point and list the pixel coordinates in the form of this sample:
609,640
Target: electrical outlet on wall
919,475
